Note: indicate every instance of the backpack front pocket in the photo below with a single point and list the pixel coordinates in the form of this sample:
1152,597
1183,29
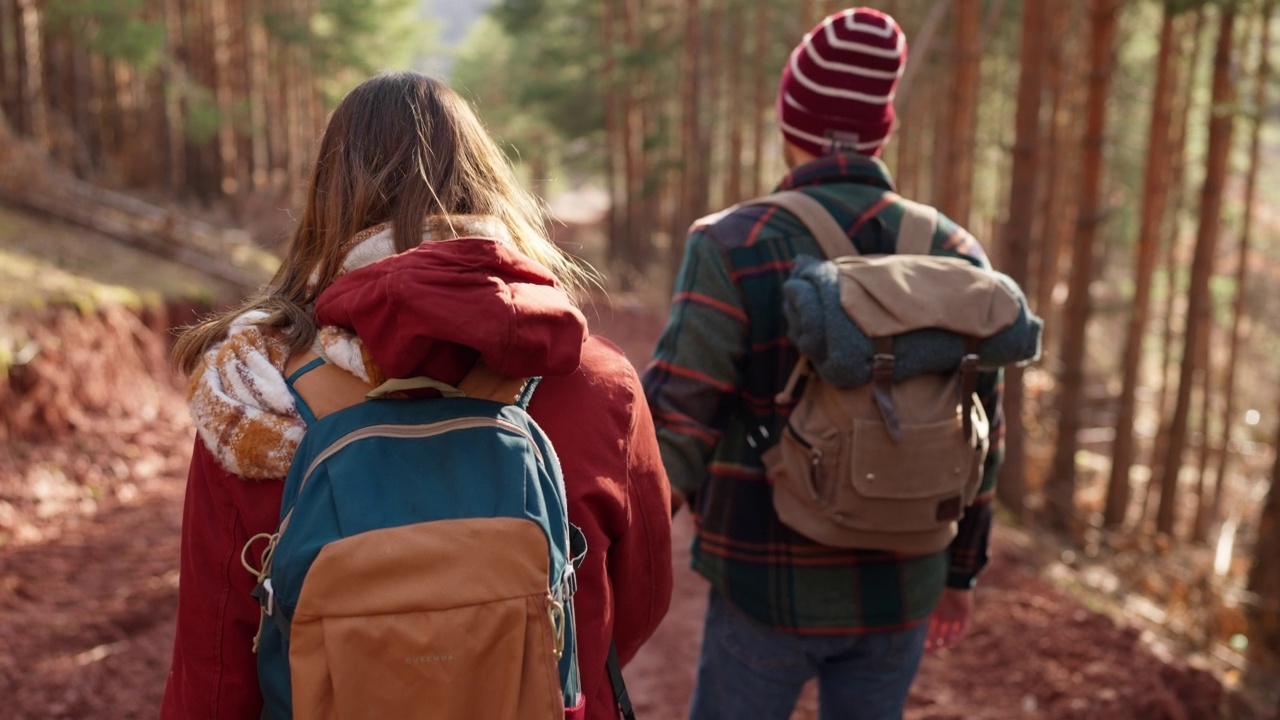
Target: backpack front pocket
887,486
442,620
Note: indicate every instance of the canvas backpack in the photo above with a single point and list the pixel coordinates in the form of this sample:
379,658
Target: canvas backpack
423,566
890,464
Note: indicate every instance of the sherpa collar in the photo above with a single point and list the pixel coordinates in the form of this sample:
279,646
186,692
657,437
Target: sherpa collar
239,401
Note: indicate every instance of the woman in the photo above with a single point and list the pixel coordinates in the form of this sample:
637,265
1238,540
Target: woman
404,165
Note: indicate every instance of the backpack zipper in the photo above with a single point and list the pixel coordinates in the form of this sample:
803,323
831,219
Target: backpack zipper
386,430
408,431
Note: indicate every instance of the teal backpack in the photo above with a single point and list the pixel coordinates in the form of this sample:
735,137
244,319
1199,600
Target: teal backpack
423,566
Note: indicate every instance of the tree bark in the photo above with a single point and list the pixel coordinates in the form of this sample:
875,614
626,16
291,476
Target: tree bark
1171,229
763,78
918,50
962,119
30,87
1264,575
7,44
692,155
1204,381
1017,237
1060,488
1155,192
1240,309
736,94
614,144
1221,123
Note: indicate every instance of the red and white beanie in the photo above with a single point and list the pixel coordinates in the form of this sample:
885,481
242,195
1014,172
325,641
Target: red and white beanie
837,89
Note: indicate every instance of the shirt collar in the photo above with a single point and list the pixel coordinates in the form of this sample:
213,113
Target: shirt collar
839,167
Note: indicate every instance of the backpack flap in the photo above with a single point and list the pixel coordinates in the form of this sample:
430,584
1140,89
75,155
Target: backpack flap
895,294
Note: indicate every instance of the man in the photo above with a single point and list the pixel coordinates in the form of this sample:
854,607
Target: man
784,609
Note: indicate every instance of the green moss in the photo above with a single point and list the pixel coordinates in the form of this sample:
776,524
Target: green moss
44,262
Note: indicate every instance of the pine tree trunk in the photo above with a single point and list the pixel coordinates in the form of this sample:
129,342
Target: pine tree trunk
7,81
1017,237
1171,229
174,119
943,132
763,78
30,73
1204,381
736,95
962,119
1264,576
1155,192
691,154
1240,310
636,122
258,67
614,144
1055,164
712,88
918,52
1220,130
1060,487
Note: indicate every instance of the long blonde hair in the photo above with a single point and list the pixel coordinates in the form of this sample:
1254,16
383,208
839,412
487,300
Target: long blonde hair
399,148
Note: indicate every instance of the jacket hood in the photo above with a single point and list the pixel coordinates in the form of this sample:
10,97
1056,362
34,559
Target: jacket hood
434,310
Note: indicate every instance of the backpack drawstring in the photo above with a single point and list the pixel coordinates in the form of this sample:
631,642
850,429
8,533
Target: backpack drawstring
263,587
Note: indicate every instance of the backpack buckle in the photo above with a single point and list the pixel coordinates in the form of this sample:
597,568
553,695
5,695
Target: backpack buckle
568,586
882,366
268,597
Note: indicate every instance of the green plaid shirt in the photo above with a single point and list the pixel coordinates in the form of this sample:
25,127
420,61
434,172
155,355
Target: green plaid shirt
720,361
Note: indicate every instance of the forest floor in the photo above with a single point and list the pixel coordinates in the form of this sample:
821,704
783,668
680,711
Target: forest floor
89,538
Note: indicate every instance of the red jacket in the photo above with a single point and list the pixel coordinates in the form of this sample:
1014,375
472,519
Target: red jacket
428,312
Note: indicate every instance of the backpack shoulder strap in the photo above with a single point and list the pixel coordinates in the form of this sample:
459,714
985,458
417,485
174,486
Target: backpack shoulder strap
831,237
919,223
621,700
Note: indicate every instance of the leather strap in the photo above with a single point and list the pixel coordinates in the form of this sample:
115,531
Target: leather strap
919,223
620,697
485,383
882,386
831,237
968,385
395,385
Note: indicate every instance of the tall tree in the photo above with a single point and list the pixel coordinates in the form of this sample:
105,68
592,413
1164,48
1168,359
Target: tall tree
1172,230
1240,310
1059,201
1016,244
1264,575
762,80
1155,192
962,114
733,191
1060,488
1221,124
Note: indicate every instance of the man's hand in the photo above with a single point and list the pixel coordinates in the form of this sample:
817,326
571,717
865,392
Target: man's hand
950,619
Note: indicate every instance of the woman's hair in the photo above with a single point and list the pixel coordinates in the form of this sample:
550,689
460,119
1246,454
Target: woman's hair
400,148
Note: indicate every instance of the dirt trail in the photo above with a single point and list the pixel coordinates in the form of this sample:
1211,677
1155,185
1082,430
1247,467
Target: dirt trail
1033,652
88,590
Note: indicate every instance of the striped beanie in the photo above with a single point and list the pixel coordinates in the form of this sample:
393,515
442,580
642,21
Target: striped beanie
837,89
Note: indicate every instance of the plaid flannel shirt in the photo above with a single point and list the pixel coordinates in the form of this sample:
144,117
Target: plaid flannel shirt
720,361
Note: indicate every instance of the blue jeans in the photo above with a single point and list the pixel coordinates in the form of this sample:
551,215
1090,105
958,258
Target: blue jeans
749,671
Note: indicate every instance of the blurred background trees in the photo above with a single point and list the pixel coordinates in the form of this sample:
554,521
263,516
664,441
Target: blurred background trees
202,97
1117,157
